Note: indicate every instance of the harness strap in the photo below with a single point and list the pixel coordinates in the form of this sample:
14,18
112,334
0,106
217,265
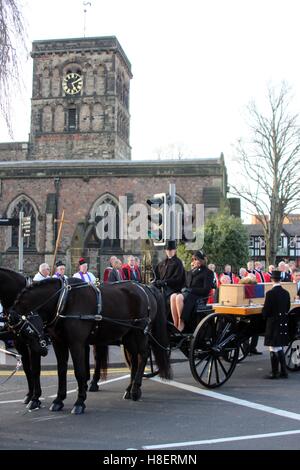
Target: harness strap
97,318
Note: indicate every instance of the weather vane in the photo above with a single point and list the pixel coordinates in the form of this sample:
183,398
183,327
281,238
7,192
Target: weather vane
85,5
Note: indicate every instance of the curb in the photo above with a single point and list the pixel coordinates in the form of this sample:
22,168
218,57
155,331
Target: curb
112,365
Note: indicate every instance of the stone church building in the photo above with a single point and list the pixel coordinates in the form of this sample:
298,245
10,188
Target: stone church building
78,159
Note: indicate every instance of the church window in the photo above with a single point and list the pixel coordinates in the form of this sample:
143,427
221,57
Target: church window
24,206
71,119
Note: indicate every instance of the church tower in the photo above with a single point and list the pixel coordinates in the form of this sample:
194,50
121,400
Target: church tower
80,100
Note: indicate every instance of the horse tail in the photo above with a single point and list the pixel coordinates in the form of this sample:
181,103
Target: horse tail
160,342
101,360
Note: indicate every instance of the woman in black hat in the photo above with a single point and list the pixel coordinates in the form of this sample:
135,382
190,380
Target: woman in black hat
198,281
275,311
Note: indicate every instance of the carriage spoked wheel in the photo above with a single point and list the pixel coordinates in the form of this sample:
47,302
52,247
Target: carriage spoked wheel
213,342
244,350
151,370
292,355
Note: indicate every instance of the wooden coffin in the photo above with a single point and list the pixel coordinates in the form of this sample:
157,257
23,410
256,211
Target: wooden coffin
250,294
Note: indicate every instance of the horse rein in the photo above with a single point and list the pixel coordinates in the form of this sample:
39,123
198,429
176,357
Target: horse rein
18,365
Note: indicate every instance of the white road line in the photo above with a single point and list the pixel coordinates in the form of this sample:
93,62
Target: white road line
47,418
236,401
179,445
101,383
11,401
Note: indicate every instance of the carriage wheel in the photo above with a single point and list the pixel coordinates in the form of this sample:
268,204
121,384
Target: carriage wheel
214,341
150,370
244,347
244,350
292,355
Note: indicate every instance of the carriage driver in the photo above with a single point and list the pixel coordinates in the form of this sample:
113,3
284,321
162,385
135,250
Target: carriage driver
169,273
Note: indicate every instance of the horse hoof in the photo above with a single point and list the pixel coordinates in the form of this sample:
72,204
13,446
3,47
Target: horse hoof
127,395
136,395
56,406
34,405
27,399
78,409
94,387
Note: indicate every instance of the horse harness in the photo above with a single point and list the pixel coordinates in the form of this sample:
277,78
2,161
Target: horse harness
98,317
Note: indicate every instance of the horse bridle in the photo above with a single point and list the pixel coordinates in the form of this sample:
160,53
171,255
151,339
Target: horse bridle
25,325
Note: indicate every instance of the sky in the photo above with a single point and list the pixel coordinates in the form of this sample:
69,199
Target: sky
196,65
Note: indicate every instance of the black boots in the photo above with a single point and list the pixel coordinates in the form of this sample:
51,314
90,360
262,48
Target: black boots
283,372
275,364
276,358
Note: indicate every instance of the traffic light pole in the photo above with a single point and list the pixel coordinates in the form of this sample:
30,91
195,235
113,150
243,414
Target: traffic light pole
172,213
21,244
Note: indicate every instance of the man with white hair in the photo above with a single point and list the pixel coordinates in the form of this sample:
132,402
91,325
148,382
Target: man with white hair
43,272
284,275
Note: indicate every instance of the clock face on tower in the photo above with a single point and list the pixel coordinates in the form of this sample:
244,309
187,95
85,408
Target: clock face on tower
72,83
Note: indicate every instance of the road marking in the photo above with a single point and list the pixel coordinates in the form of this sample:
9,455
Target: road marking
50,373
11,401
47,418
101,383
228,398
5,402
179,445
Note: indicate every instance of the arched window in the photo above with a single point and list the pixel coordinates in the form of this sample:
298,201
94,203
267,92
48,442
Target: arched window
106,218
23,205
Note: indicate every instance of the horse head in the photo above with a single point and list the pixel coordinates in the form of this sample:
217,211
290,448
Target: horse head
11,284
30,329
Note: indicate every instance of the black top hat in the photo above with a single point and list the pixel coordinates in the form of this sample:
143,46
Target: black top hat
82,261
171,245
199,255
276,275
59,263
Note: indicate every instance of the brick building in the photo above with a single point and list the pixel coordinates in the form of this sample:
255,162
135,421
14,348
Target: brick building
78,158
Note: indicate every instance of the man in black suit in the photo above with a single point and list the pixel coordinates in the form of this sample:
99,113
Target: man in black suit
275,311
169,273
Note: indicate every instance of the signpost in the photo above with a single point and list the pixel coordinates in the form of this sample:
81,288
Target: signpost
9,222
21,244
24,224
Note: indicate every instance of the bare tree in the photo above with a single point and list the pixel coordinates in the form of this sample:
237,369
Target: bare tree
270,166
12,45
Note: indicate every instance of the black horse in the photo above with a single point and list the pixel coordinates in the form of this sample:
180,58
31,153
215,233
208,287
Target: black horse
130,312
29,338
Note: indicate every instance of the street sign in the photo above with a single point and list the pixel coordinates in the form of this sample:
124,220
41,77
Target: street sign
26,223
9,222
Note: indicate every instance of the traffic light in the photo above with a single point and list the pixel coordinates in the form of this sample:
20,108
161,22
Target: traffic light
26,222
158,219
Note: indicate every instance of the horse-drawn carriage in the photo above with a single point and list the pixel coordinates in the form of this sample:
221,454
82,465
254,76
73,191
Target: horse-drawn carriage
133,315
221,337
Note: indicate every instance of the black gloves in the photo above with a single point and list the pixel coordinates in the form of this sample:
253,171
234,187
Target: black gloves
186,289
